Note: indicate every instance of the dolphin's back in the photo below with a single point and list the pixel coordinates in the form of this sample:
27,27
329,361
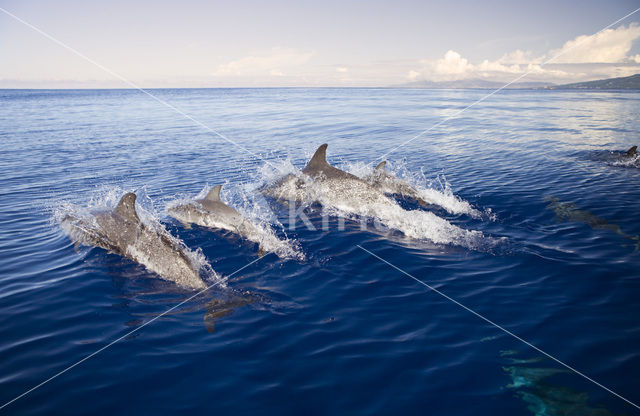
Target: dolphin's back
318,165
214,204
121,231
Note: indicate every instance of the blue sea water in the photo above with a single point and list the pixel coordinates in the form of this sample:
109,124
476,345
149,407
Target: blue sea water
337,331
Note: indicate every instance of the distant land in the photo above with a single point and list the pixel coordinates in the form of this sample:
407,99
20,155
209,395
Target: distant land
623,83
471,84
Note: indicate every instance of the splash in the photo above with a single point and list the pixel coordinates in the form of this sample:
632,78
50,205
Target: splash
260,220
626,161
81,225
356,200
399,179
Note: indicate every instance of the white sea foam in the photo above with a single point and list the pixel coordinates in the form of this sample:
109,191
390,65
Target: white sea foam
627,161
356,200
436,191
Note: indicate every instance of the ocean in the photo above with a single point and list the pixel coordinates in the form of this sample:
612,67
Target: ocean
531,222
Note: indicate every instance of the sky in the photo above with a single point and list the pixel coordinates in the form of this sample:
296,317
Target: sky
302,43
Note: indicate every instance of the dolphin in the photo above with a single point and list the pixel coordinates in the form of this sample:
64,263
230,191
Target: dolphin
349,195
631,152
334,183
569,211
321,182
390,184
211,212
122,232
318,167
299,188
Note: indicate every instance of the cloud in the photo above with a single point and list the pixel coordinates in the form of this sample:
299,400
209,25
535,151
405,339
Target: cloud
608,46
452,64
342,69
601,55
274,63
454,67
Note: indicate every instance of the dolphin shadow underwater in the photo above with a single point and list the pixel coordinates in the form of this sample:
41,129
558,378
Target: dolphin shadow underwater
568,211
541,397
121,231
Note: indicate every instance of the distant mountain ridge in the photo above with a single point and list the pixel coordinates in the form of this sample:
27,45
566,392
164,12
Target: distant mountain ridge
475,83
622,83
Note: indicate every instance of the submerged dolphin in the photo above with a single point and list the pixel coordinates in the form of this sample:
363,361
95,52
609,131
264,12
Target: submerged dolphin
390,184
211,212
120,231
569,211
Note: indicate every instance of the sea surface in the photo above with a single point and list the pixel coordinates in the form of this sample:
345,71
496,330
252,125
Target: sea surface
533,183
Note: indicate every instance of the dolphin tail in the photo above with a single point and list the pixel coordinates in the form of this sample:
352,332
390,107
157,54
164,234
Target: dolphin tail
381,166
632,151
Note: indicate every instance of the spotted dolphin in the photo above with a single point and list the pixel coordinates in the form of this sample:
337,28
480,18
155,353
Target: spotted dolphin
347,195
122,232
319,180
390,184
211,212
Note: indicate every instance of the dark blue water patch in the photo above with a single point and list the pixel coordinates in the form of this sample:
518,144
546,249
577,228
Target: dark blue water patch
339,331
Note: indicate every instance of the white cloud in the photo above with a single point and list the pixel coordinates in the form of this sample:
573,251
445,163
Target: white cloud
601,55
519,57
452,64
413,75
453,67
274,62
608,46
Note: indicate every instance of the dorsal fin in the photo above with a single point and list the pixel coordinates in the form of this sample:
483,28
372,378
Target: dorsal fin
381,166
632,151
319,158
127,207
214,194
